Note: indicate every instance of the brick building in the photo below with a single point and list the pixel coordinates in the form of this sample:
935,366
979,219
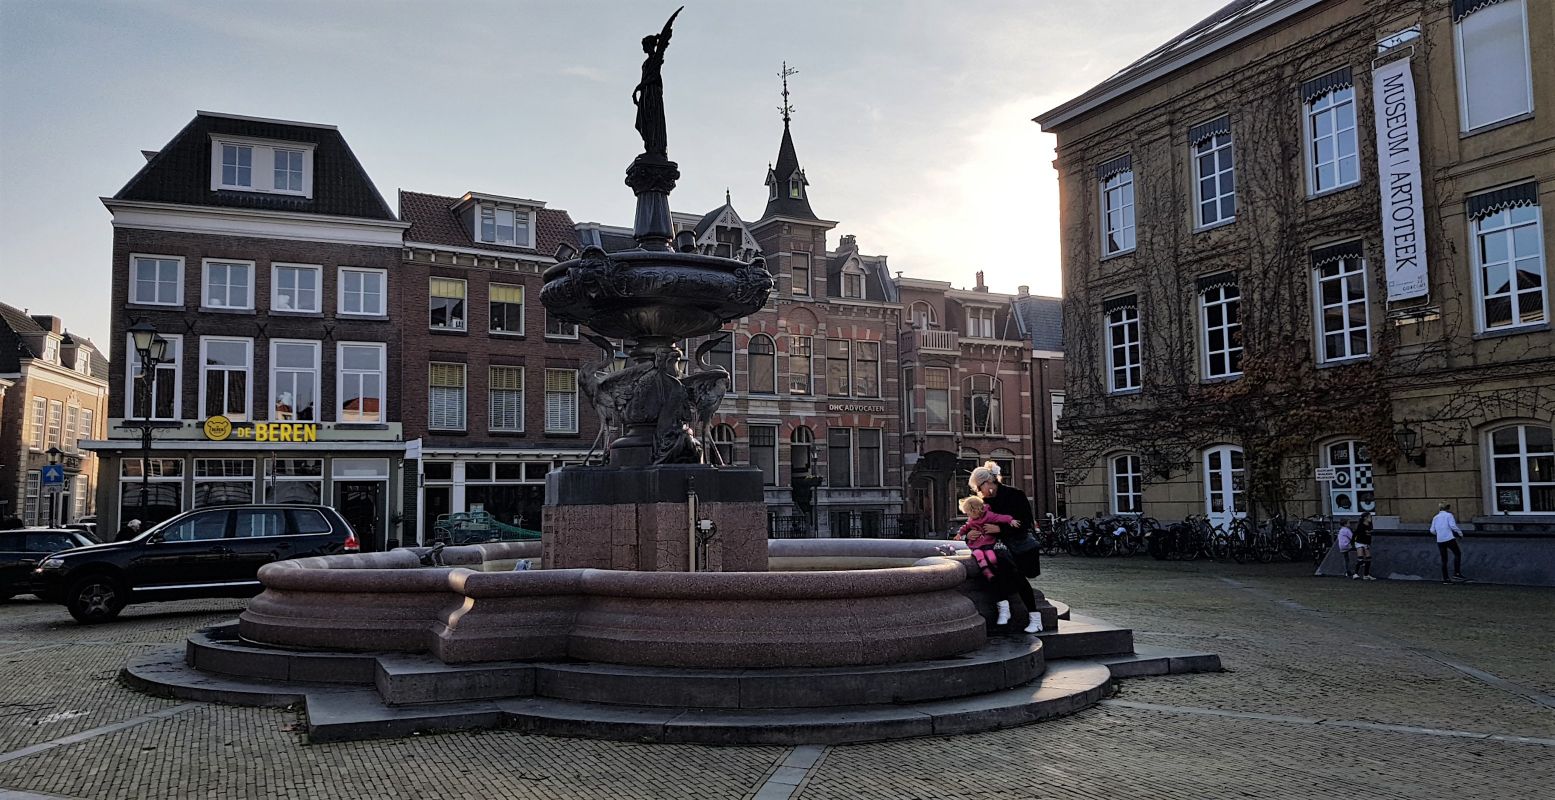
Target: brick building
54,396
261,251
490,383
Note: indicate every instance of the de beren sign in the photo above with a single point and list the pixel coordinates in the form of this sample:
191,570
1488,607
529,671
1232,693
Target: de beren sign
1398,172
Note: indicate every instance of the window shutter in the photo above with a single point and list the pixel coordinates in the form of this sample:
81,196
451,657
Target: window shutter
561,400
504,293
447,287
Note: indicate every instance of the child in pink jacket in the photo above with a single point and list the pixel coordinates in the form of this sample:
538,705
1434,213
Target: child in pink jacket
982,544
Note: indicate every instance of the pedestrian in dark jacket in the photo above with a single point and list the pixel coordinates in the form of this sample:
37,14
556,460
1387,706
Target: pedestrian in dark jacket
130,530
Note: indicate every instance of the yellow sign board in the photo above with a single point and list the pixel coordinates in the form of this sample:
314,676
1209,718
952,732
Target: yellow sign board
219,428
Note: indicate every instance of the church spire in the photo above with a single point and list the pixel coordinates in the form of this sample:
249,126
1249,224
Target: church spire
788,192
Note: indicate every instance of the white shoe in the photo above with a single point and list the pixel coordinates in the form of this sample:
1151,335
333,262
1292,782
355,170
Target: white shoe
1035,625
1004,613
1368,578
1355,577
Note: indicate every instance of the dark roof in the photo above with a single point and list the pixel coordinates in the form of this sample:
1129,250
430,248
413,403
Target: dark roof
615,242
787,165
433,221
878,285
13,323
181,171
1041,321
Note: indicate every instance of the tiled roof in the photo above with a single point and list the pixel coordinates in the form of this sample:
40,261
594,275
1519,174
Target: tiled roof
1041,321
13,321
433,221
181,171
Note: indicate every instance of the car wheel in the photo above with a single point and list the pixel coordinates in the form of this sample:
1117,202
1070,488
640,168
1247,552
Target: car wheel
98,598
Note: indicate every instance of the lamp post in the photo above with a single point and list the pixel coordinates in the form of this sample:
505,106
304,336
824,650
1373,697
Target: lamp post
152,351
54,454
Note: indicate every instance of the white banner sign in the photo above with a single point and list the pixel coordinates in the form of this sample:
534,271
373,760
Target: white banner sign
1398,172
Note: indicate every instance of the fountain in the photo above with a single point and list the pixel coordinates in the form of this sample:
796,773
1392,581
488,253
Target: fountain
661,612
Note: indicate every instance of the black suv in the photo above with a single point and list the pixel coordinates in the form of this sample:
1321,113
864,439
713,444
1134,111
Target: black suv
21,550
210,552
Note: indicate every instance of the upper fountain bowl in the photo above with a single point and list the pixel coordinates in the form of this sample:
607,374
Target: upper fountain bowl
641,294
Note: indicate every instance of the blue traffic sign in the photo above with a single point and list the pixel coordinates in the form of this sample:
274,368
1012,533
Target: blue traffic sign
53,475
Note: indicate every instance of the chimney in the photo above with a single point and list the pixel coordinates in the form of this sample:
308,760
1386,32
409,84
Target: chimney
48,323
1023,291
848,242
980,287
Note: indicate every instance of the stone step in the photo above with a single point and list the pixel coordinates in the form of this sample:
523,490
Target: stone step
1085,637
1150,660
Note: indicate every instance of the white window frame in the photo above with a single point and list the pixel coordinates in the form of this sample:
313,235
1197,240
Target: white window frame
248,368
995,394
1524,484
750,371
1131,472
276,169
72,428
275,287
383,292
927,320
1127,321
1056,411
1234,498
491,398
342,374
858,457
1352,477
464,396
1348,267
801,384
853,284
221,465
1227,328
854,350
38,424
175,362
767,478
849,461
237,151
178,280
801,262
1222,151
1327,103
317,349
573,426
261,164
1461,63
55,436
464,321
523,304
205,283
549,334
950,409
1477,234
479,218
1120,187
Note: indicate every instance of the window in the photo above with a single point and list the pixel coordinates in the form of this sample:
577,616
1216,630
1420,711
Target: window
1343,330
1117,205
1224,484
795,188
1332,161
294,380
866,369
446,296
1522,466
507,308
288,171
72,421
1124,370
237,165
800,352
762,365
722,356
1495,80
224,384
981,414
723,442
507,399
1221,306
801,456
228,285
56,419
1509,260
764,452
838,379
922,315
30,500
445,398
853,285
936,384
561,401
979,322
205,527
166,399
504,226
1214,178
161,492
361,291
558,328
839,457
801,273
295,480
86,431
250,523
870,465
295,288
157,280
223,481
1056,407
40,412
1350,492
359,381
1127,486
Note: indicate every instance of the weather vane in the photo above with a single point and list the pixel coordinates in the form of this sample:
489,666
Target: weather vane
787,109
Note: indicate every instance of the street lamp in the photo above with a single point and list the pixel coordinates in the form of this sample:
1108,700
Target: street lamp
152,351
1409,447
54,454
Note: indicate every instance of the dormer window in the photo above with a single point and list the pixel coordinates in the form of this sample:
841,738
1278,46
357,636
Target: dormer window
772,191
853,283
505,226
796,188
256,165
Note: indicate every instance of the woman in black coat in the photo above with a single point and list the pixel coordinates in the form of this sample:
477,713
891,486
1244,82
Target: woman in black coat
1018,540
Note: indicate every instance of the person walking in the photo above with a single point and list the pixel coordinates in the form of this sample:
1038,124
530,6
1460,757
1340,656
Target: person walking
1023,547
130,530
1363,546
1345,543
1445,526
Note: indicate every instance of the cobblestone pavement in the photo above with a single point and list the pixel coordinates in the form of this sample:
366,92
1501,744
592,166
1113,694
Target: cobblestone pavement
1335,688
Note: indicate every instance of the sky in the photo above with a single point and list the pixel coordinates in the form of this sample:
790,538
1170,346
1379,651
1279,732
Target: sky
912,119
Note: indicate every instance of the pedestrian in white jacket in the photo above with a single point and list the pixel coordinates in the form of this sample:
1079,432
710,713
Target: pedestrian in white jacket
1445,526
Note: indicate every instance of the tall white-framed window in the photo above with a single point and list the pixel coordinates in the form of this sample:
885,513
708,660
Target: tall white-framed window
1056,406
40,415
1220,313
839,379
871,464
507,308
723,442
296,287
981,411
761,365
228,285
156,280
1333,160
226,365
1343,319
1214,173
87,420
288,171
839,457
764,455
294,379
1125,371
446,300
362,292
1350,492
72,429
506,386
1495,74
936,398
800,269
359,381
56,423
866,369
801,350
1117,207
801,451
166,384
445,396
247,164
506,226
1128,494
1225,479
979,322
1510,275
1522,469
237,166
561,401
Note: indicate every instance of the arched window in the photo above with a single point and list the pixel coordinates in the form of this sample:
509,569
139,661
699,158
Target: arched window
1350,492
763,365
1522,469
1224,484
981,414
922,316
801,456
1128,492
723,440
